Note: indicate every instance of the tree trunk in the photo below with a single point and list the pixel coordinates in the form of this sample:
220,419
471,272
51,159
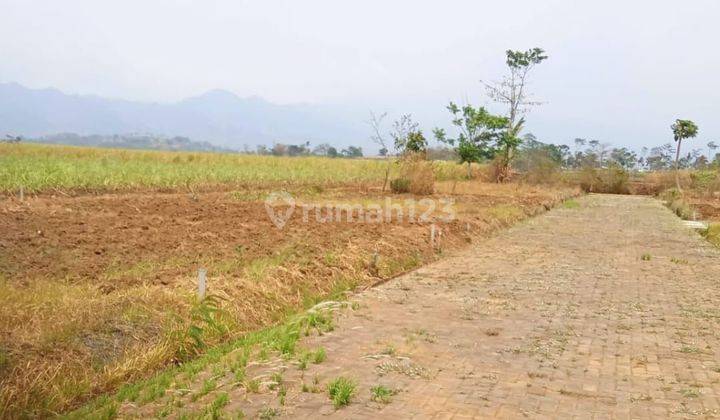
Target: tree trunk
387,175
469,170
677,166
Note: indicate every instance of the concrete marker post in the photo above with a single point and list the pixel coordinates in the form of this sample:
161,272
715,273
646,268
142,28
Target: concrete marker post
202,281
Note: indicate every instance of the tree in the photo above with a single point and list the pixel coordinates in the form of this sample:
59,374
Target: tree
478,132
379,138
415,142
511,91
682,129
407,137
352,152
712,146
321,149
13,139
660,157
279,149
624,157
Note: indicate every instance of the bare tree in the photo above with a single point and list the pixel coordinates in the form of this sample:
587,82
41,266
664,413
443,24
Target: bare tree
379,138
511,91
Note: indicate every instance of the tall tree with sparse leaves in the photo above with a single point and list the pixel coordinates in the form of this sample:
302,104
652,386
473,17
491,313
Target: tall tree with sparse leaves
512,92
682,129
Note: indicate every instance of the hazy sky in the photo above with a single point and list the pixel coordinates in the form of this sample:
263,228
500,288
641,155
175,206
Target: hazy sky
619,71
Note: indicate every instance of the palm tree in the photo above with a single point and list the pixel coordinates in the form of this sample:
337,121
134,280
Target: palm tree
682,129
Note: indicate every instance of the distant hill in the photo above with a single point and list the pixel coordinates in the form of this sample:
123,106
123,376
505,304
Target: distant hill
133,141
219,117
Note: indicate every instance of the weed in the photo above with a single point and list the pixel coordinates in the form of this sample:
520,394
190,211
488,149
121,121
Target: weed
277,380
213,410
314,388
239,374
252,385
571,204
341,391
389,350
303,360
678,260
282,393
645,257
207,386
319,356
381,394
268,413
689,393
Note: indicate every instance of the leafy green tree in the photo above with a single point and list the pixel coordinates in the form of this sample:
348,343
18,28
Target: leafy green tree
478,133
624,157
415,142
682,129
511,91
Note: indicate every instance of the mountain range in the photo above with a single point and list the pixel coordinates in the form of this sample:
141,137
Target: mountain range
218,116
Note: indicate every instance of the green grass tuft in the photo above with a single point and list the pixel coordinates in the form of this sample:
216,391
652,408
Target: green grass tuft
381,394
341,390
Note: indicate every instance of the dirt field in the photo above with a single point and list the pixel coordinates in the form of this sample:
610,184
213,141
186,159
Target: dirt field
708,207
99,290
605,309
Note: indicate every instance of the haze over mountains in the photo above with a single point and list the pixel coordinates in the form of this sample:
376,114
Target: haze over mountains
219,117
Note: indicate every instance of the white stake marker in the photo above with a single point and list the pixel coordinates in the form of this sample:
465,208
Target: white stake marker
202,275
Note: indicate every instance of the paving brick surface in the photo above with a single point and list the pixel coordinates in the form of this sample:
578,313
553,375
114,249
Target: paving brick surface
557,317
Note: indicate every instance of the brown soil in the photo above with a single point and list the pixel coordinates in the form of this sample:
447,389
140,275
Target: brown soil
708,207
152,244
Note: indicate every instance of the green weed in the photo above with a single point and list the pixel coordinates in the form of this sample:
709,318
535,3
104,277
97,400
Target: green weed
341,391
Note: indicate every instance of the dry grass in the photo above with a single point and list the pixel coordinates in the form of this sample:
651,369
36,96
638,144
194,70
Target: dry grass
40,168
417,176
712,234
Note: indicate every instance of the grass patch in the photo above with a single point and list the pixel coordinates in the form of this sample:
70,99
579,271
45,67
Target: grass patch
341,390
39,167
381,394
645,257
570,204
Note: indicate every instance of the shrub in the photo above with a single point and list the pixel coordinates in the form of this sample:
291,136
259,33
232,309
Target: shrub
400,185
417,176
675,202
381,394
702,179
537,167
612,180
655,183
